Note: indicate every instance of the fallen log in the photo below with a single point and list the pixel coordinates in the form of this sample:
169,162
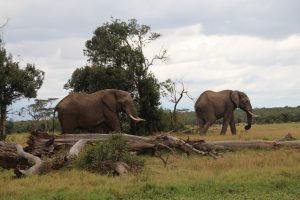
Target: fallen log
9,157
236,145
35,169
45,144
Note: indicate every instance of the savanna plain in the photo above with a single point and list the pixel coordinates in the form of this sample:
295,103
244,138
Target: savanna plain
247,174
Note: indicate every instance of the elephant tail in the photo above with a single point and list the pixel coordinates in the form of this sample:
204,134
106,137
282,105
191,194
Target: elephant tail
53,118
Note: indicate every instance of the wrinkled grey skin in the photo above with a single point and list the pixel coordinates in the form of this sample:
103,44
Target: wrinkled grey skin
212,106
90,111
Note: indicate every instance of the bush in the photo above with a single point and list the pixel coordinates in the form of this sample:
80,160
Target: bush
98,158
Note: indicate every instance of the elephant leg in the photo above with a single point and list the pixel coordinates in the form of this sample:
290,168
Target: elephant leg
67,123
226,121
113,122
232,125
201,125
204,130
100,128
67,126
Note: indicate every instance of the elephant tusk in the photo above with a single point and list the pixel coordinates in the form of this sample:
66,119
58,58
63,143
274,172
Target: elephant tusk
136,119
253,115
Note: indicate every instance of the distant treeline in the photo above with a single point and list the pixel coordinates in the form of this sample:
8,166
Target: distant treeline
277,115
31,125
266,116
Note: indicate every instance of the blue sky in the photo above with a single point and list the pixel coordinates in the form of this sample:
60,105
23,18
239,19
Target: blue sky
252,46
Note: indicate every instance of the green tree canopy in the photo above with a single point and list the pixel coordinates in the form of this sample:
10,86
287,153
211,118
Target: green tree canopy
15,83
92,78
115,53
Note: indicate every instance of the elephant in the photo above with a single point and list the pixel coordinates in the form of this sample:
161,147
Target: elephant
211,106
86,111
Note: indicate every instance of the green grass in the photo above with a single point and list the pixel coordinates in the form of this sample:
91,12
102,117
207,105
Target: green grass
249,174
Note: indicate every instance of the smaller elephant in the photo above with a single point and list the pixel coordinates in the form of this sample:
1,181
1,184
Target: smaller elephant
212,106
91,111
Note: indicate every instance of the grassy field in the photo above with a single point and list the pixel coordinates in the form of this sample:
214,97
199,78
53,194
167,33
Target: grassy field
249,174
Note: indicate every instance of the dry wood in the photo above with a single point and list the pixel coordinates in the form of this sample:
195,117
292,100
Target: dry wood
76,148
235,145
35,169
43,144
120,167
9,158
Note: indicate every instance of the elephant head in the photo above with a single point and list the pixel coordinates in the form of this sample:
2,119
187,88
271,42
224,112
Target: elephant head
241,100
121,101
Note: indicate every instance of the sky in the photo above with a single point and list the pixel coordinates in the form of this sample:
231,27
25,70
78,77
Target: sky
251,46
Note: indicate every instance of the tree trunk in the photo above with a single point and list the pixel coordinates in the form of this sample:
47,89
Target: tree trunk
236,145
45,144
2,122
9,158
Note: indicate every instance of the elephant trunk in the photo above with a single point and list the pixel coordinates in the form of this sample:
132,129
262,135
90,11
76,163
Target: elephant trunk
249,120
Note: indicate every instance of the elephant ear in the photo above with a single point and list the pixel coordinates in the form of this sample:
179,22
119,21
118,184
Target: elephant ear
109,101
235,97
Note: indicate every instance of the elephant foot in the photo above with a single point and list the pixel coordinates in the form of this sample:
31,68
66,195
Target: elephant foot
247,127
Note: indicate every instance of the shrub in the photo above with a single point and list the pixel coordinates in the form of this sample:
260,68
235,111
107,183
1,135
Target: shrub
99,157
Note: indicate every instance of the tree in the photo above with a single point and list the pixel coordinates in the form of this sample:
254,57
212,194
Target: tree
173,93
15,83
92,78
40,110
115,53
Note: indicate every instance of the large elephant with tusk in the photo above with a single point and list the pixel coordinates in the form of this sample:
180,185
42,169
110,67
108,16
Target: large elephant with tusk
212,106
90,111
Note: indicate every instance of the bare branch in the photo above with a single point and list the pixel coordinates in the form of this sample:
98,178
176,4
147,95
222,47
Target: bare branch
76,148
164,160
160,56
36,168
190,97
173,93
5,23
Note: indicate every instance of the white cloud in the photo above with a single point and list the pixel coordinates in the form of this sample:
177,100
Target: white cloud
265,69
252,46
58,58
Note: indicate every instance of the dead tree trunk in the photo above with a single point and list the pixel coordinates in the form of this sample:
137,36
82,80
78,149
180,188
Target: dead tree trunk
9,158
45,144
